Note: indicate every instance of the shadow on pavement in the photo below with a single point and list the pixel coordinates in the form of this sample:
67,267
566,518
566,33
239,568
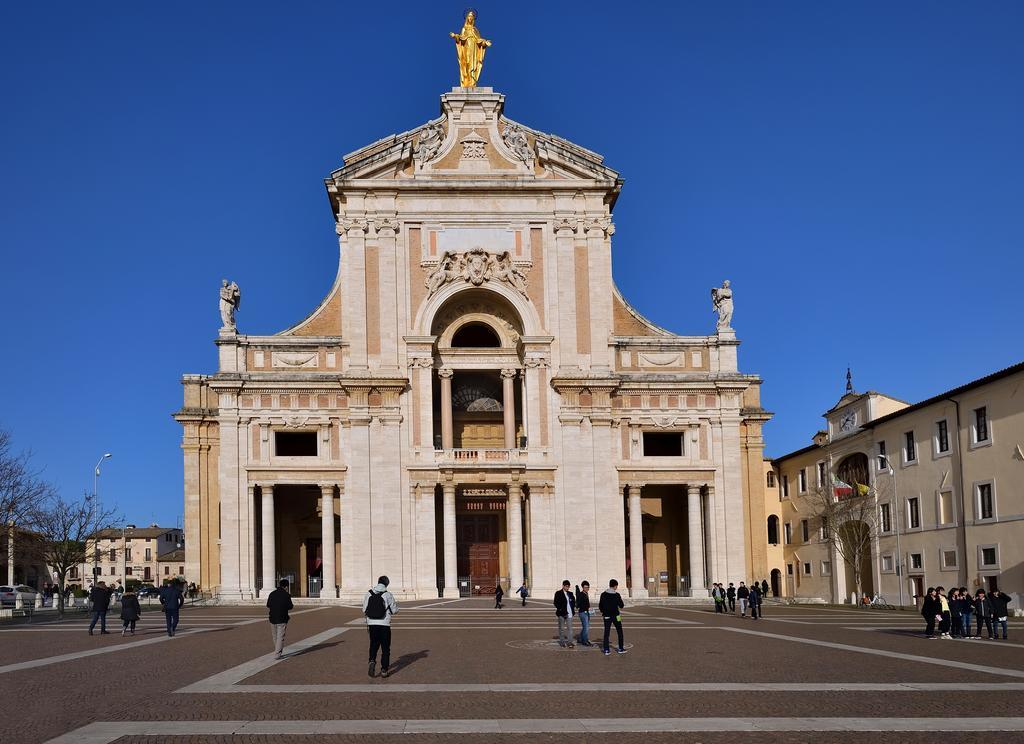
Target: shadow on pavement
407,660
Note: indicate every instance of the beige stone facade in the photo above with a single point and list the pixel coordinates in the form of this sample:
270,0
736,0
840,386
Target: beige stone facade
945,477
133,553
474,401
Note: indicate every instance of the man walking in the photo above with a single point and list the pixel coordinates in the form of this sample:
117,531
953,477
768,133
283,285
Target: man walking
172,601
523,592
583,608
565,610
1000,607
718,594
754,599
730,594
279,602
498,594
610,604
100,598
378,607
742,594
983,609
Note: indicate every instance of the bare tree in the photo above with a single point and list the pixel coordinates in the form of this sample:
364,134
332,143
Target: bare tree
848,518
62,531
21,492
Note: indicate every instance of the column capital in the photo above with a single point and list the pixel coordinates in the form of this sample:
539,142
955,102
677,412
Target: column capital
508,373
445,373
328,487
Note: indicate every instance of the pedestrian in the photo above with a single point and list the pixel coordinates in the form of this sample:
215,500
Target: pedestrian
610,604
99,595
192,590
718,594
966,613
954,612
279,602
742,594
583,610
171,600
930,610
131,612
764,588
730,594
944,613
498,594
754,600
565,610
378,607
1000,603
983,609
523,592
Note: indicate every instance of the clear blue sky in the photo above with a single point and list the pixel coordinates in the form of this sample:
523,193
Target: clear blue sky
854,168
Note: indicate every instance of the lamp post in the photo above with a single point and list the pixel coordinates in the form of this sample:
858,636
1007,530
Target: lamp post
896,497
95,511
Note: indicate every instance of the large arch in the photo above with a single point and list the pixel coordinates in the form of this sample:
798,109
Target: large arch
528,320
853,470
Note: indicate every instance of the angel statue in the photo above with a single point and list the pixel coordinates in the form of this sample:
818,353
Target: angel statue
230,301
443,274
470,49
721,299
516,141
431,137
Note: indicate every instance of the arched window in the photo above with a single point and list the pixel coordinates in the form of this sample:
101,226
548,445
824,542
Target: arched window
476,336
853,471
773,530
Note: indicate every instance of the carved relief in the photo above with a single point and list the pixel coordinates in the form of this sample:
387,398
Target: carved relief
474,147
461,309
664,359
515,140
431,137
288,360
476,267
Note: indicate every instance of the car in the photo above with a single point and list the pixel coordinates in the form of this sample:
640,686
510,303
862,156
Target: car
9,593
148,591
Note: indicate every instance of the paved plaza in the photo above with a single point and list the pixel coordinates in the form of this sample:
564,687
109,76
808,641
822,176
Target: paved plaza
465,672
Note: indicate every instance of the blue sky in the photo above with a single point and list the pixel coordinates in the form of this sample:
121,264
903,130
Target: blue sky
854,168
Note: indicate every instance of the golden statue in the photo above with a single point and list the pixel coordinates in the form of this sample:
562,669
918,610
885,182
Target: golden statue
470,48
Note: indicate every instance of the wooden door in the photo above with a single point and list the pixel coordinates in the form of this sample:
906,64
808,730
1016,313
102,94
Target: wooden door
478,551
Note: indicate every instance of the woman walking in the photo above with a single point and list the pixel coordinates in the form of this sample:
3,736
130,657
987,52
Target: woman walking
131,611
930,609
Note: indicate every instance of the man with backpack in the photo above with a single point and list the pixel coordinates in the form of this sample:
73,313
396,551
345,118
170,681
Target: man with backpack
378,607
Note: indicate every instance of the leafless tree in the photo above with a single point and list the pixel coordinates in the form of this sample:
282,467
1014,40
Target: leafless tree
849,522
21,492
62,529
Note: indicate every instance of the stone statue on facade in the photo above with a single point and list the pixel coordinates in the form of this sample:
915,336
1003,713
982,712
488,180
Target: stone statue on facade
431,137
230,301
470,48
721,299
443,274
507,271
515,140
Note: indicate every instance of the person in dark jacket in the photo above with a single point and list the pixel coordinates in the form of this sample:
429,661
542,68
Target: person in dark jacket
100,598
498,594
279,602
610,604
1000,606
743,594
966,613
583,610
930,610
754,600
764,588
565,611
954,612
131,611
730,594
983,609
523,592
172,600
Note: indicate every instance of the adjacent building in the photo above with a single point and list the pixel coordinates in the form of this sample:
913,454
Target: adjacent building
944,476
116,555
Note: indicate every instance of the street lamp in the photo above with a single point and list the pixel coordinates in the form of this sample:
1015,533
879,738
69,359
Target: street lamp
896,497
95,512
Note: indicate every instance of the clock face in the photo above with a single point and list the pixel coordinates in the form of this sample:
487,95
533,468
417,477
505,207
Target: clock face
849,421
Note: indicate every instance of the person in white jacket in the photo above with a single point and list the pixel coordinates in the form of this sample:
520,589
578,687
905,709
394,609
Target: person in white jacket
378,607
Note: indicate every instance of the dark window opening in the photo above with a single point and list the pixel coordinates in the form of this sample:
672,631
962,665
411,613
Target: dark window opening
663,444
773,530
295,443
476,336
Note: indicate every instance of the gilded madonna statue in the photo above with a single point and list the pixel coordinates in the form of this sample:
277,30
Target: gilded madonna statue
470,48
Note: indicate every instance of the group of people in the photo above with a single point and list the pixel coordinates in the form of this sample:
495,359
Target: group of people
171,601
952,614
570,604
728,598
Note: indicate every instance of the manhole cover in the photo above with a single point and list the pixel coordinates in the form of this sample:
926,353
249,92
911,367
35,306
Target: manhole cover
553,646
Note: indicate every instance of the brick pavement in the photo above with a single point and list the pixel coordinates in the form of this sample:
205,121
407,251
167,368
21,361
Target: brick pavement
782,677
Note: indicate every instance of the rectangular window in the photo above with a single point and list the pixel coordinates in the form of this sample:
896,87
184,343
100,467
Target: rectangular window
789,569
887,564
128,571
941,437
986,504
949,558
989,556
149,553
663,444
883,461
770,479
807,568
821,474
788,533
826,568
916,561
981,424
803,480
128,554
181,569
946,507
805,531
909,448
823,532
914,513
886,513
295,443
785,486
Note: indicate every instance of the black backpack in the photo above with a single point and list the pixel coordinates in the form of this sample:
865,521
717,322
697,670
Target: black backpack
376,607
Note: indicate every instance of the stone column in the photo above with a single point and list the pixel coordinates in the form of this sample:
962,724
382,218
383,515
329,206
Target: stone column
508,402
636,543
514,519
269,557
698,581
451,576
447,437
327,541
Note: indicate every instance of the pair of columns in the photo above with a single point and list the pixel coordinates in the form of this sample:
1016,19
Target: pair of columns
326,536
508,404
514,524
695,534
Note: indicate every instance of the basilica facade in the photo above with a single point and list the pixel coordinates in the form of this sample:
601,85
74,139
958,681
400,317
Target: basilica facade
474,402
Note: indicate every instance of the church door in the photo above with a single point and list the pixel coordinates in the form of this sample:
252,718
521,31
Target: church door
478,551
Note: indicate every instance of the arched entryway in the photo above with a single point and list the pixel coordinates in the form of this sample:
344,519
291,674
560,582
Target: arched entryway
776,579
